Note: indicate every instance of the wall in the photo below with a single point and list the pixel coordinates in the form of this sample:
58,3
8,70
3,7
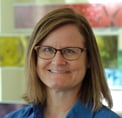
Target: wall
12,84
7,16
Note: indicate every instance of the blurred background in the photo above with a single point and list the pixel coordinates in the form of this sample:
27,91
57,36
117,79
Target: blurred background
17,19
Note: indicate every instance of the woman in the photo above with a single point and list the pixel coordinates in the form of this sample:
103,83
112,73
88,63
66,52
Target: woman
64,71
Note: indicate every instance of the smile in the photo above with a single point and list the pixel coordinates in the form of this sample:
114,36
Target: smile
58,71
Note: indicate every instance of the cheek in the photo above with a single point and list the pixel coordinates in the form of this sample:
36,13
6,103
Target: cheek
80,69
82,63
40,67
41,64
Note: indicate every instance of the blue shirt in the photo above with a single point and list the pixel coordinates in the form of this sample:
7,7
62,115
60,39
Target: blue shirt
78,111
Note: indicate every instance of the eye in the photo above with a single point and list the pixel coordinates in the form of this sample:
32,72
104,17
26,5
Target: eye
69,51
47,50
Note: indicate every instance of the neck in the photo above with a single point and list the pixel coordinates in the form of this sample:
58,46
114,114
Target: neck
60,102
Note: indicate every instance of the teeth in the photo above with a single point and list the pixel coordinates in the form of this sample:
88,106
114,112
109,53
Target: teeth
58,71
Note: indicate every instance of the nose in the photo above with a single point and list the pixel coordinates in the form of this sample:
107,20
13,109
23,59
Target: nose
58,59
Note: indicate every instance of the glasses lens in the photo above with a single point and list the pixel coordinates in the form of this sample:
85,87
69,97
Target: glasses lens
46,52
71,53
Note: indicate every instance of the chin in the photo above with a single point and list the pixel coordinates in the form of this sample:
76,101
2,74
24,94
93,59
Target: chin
57,86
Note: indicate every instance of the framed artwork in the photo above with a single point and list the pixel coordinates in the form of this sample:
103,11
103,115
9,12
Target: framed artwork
114,78
12,50
108,47
98,15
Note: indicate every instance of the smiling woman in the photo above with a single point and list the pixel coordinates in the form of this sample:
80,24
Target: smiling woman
67,69
65,77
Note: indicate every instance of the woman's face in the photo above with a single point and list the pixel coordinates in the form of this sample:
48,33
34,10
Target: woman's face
59,73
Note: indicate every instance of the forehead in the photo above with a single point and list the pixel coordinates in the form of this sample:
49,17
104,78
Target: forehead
66,35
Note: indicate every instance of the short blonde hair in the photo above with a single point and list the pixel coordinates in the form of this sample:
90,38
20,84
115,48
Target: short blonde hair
94,87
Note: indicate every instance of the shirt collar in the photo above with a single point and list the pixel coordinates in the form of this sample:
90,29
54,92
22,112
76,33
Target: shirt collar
80,110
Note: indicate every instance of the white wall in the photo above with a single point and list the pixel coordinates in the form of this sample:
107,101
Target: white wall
117,100
13,84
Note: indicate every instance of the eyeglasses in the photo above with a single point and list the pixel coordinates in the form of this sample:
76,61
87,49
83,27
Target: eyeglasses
69,53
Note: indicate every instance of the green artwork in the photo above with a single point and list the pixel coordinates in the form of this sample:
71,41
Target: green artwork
108,46
120,59
12,50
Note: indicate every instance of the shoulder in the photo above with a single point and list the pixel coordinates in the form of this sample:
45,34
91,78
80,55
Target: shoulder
21,113
104,112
